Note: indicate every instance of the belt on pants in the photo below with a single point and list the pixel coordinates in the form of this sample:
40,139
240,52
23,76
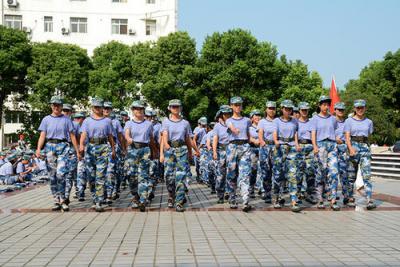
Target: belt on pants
360,139
286,140
222,146
253,145
177,143
305,141
239,142
98,140
56,141
139,145
269,142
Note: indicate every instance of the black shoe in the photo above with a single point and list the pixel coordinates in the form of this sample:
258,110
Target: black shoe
335,206
252,195
213,192
66,201
282,201
142,207
56,206
277,205
99,207
170,203
264,196
371,205
220,201
179,208
64,207
151,196
233,205
109,201
81,199
246,207
296,207
321,205
351,203
226,196
115,196
311,200
268,200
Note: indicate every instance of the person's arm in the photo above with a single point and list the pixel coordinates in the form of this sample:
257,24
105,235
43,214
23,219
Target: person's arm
351,149
82,143
153,148
189,146
276,140
112,143
128,138
215,147
161,147
261,137
296,142
208,144
42,139
314,141
121,140
75,144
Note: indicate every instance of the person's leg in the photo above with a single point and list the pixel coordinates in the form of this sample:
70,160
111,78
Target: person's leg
102,155
231,172
169,170
62,151
144,174
244,172
221,174
333,172
181,173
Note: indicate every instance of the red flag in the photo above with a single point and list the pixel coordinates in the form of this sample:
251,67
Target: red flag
334,95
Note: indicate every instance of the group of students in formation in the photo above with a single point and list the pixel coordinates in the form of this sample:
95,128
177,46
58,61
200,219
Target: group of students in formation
269,153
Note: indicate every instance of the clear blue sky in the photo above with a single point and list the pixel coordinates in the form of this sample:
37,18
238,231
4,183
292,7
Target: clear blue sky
333,37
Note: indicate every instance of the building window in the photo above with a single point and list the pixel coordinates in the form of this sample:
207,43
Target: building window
48,24
79,25
119,1
119,26
150,27
150,1
14,117
13,21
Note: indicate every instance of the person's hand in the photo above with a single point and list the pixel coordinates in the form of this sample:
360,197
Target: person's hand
215,156
197,153
78,156
162,158
277,145
352,152
235,131
262,143
81,150
316,150
38,153
298,148
113,154
167,147
339,141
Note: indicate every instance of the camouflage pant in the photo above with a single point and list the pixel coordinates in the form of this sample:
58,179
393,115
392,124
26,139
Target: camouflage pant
362,158
176,170
306,169
120,172
72,171
8,180
96,160
343,162
266,166
138,172
197,166
220,172
57,165
204,161
285,164
238,159
112,173
327,170
254,155
82,180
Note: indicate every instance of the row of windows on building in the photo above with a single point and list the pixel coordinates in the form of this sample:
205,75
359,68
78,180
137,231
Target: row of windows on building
79,25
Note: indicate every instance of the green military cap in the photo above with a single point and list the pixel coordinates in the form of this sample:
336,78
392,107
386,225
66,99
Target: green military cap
175,102
123,113
137,104
11,157
236,100
304,105
203,120
295,109
270,104
287,103
340,105
26,157
18,153
67,106
56,100
255,112
324,98
2,154
112,115
149,112
97,102
108,104
29,152
226,110
360,103
78,115
118,117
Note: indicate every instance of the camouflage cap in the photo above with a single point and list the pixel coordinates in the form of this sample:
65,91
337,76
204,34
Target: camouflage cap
108,104
97,102
295,109
18,153
217,114
340,105
324,98
203,120
236,100
12,156
270,104
67,106
2,154
148,112
112,115
29,152
255,112
56,100
123,113
304,105
175,102
227,109
287,103
360,103
26,157
137,104
78,115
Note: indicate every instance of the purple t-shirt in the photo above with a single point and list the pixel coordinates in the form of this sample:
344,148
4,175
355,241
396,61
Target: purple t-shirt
286,129
140,132
324,127
20,168
56,127
339,132
200,132
156,132
304,130
117,129
356,127
210,136
268,127
253,130
177,130
100,128
243,124
221,131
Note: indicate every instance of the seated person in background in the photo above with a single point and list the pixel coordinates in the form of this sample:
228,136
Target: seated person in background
25,168
40,167
7,176
2,158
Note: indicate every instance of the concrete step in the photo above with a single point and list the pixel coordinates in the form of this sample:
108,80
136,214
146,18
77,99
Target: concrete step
385,169
389,163
386,175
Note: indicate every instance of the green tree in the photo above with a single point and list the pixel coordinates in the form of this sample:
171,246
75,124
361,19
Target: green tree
15,57
379,85
112,77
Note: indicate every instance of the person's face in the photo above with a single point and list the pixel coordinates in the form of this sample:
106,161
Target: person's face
237,108
226,116
339,112
175,109
24,161
271,112
138,112
287,112
324,107
125,118
304,113
255,119
98,111
107,111
79,120
296,115
67,112
56,108
360,111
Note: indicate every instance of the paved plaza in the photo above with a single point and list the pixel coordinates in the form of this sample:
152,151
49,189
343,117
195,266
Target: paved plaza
205,235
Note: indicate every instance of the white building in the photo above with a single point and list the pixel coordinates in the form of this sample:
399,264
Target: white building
87,23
